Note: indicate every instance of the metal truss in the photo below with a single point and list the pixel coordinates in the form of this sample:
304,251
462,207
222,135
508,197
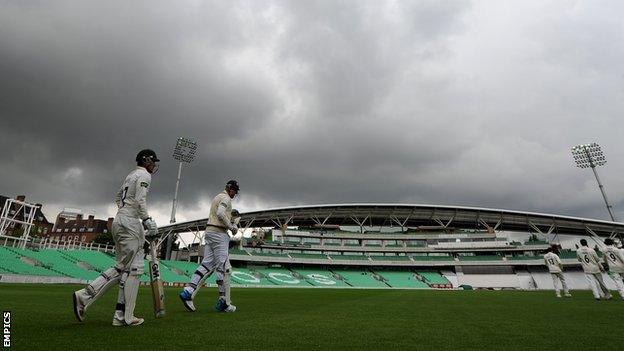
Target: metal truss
415,217
12,210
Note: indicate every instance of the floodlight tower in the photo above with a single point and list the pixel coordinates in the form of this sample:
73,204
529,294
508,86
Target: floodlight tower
591,155
184,152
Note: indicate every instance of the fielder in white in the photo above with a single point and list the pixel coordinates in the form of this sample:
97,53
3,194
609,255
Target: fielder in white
553,262
129,235
614,258
593,271
216,251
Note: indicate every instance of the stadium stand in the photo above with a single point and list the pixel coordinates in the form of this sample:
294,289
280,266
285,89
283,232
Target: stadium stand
536,242
12,263
54,261
390,258
360,279
403,280
349,257
181,266
238,252
309,256
99,260
525,257
481,258
167,275
244,276
267,254
432,258
319,277
435,279
567,254
281,277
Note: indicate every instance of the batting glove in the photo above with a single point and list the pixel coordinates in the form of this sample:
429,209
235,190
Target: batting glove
151,227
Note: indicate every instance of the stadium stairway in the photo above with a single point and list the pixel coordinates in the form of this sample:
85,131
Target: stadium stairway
11,262
403,280
55,262
99,260
360,279
435,280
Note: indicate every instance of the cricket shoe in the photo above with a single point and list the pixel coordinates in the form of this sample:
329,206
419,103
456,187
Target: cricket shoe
81,302
122,323
567,295
187,300
222,306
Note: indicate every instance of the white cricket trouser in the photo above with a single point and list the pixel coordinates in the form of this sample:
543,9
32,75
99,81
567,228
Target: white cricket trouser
618,278
559,279
215,258
223,282
596,283
129,237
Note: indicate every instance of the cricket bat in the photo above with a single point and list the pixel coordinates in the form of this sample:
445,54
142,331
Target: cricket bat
158,293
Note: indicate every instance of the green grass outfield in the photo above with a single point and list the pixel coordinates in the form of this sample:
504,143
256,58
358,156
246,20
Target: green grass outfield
321,319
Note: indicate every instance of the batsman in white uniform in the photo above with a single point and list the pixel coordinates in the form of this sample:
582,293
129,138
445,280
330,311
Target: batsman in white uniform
216,249
614,258
555,266
593,271
128,232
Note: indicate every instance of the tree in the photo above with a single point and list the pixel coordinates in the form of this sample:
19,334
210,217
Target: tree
104,238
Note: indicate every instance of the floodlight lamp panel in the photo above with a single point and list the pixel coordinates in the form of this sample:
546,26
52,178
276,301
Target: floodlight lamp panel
185,149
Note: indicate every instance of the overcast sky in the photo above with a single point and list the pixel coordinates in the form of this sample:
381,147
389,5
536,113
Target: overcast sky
312,102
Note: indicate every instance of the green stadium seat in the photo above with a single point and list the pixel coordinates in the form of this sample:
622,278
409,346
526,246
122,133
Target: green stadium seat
536,242
523,257
319,277
244,276
435,279
267,254
431,258
350,257
55,261
238,252
403,280
281,277
390,258
309,256
188,268
11,262
481,258
96,259
567,255
166,274
360,279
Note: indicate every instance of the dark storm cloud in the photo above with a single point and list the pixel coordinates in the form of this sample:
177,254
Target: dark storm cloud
312,102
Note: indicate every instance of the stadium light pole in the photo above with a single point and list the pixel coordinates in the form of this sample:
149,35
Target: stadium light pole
591,155
184,152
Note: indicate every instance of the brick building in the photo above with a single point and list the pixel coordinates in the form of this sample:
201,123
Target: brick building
41,225
79,229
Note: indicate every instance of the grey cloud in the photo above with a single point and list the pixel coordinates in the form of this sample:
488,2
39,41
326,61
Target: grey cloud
312,102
